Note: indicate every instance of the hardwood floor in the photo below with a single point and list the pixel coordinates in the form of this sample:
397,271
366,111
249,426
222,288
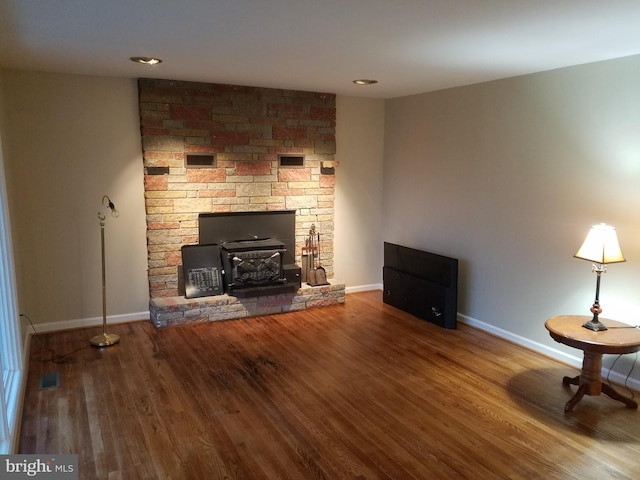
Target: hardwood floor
354,391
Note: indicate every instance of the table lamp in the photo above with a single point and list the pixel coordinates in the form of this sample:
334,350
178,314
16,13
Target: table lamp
600,247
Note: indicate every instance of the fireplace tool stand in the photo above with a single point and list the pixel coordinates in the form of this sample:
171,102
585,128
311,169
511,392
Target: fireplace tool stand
316,275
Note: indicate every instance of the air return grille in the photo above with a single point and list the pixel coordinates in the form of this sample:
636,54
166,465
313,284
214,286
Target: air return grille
49,381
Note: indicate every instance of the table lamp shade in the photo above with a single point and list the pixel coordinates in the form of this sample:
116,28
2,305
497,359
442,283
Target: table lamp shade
601,246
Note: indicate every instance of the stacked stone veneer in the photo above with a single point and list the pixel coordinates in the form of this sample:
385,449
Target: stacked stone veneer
170,311
246,129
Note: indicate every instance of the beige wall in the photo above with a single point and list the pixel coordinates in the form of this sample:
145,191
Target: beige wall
358,230
508,176
69,140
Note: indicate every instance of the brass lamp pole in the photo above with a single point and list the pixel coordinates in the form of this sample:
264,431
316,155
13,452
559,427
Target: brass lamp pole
105,339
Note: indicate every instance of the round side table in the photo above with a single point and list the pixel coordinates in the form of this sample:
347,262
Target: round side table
620,338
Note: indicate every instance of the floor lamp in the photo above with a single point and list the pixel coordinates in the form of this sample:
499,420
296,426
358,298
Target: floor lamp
105,339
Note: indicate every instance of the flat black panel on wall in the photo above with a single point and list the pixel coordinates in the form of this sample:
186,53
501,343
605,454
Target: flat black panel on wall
421,283
429,266
234,226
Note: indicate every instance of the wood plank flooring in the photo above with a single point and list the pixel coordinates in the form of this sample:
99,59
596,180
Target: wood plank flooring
354,391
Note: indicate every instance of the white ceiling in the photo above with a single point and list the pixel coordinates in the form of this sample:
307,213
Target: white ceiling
409,46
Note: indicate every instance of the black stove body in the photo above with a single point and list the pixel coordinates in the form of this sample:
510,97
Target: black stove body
252,264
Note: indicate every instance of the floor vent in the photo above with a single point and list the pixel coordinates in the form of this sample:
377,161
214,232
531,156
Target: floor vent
49,381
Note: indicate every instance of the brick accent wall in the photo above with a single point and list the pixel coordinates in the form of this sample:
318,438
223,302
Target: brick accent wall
246,128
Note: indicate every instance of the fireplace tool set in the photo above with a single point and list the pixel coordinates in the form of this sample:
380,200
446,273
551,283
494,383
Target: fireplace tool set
316,274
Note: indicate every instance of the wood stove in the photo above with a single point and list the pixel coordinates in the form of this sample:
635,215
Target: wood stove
253,264
256,250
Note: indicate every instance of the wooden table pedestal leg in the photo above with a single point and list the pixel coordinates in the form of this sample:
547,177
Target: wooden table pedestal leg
582,389
611,392
578,395
589,380
590,383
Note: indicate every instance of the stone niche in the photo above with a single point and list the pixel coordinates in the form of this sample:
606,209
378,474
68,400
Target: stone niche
219,148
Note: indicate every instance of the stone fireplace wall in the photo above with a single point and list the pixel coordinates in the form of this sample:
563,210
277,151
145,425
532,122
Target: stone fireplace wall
246,128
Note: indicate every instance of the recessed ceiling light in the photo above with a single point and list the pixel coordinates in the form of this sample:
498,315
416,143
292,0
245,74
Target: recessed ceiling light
364,81
146,60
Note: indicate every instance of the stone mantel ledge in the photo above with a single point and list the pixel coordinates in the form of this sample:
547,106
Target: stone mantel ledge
169,311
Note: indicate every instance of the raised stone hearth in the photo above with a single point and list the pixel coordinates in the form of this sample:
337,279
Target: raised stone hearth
168,311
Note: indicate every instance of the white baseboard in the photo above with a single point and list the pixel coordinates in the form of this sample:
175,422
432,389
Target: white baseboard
363,288
573,360
88,322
